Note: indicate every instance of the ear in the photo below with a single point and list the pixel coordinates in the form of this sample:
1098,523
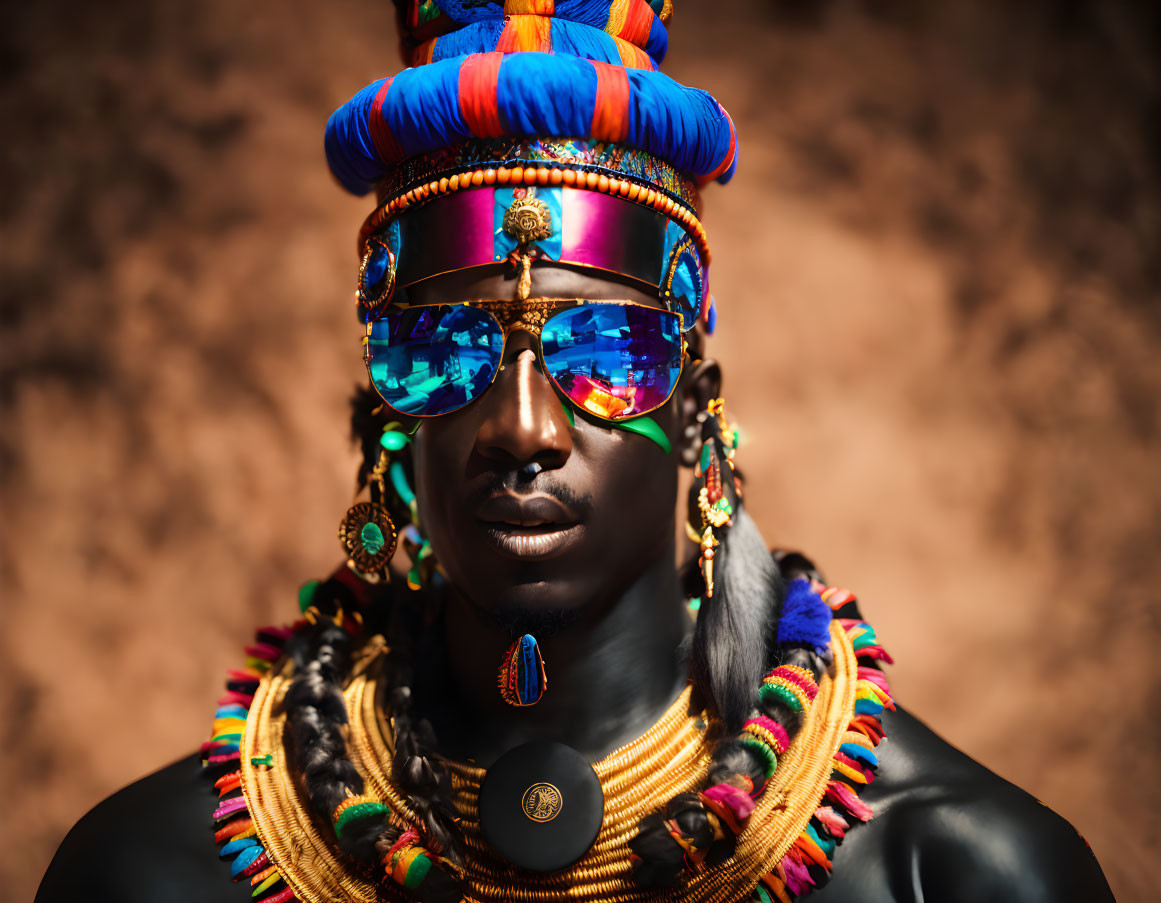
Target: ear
701,384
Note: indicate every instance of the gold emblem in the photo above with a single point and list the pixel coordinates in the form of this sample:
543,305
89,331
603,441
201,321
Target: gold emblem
528,219
542,802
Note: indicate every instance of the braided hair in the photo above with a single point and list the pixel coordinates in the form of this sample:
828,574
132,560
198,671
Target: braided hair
317,716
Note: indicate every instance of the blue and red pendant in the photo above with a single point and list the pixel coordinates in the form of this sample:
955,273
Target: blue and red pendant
522,679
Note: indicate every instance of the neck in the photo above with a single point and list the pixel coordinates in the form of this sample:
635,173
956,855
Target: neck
610,675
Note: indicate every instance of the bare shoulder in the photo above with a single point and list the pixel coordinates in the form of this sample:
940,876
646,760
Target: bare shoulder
151,841
946,828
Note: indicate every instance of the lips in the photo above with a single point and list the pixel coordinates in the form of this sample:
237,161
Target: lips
529,527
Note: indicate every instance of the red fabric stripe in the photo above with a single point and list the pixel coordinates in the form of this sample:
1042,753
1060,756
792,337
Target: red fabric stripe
479,74
638,22
611,109
385,143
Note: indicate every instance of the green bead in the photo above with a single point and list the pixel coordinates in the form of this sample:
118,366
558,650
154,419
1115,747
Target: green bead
306,595
706,451
372,538
393,441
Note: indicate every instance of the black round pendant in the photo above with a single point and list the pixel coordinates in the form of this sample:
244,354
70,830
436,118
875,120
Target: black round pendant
541,806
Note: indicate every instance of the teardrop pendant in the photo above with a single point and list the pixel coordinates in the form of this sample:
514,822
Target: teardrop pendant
522,679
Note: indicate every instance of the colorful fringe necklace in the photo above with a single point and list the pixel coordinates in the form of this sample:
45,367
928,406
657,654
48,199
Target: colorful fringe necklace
805,866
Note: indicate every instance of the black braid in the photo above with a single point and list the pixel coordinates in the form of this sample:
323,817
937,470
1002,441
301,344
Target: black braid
658,858
315,712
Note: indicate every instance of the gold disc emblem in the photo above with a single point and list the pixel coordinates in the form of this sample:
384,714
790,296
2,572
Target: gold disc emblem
542,802
528,219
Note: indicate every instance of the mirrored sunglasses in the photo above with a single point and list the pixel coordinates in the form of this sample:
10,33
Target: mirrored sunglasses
612,359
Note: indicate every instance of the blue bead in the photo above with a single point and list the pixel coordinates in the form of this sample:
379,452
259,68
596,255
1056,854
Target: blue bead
237,845
244,859
376,268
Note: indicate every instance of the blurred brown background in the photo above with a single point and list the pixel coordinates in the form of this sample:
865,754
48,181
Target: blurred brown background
938,274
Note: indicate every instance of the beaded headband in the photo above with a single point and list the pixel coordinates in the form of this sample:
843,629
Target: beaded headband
592,215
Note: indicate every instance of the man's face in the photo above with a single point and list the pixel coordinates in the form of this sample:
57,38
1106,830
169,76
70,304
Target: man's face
525,511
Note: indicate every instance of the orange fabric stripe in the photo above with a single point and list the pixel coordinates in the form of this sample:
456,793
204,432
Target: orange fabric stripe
611,109
479,74
529,7
423,53
632,56
526,33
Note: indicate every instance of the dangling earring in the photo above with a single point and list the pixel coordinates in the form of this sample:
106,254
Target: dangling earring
367,532
714,494
522,679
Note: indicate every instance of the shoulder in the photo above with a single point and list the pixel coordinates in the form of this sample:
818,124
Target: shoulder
151,841
946,828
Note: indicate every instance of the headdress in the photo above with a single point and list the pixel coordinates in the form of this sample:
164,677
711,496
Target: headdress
533,129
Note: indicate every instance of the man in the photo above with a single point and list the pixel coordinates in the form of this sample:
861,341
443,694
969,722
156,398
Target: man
532,713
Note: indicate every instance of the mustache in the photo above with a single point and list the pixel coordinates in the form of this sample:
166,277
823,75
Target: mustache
517,482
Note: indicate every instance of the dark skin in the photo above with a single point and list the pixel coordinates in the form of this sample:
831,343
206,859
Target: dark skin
945,828
615,585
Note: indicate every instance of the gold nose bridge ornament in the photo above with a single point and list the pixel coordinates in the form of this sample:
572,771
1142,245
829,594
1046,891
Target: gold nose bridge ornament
527,219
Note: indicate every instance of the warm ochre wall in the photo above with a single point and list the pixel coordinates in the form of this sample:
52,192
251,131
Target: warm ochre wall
937,270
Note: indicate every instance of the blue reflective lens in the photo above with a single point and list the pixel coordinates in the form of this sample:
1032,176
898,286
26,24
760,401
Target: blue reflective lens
433,360
614,360
686,287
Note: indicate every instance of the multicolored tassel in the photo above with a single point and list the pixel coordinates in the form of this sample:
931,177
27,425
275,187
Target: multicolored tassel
233,827
808,862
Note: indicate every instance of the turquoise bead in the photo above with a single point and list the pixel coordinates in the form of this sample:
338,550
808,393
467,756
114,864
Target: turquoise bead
392,440
372,538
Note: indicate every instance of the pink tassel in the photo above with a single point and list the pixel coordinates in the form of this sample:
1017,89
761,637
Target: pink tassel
737,801
832,821
876,652
229,807
797,877
232,697
875,676
264,651
839,793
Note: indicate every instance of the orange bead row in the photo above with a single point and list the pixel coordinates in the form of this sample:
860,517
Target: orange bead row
541,175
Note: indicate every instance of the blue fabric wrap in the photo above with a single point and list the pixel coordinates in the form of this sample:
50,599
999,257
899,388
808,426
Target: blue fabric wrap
595,15
805,619
422,108
530,674
476,37
533,99
350,151
581,41
538,94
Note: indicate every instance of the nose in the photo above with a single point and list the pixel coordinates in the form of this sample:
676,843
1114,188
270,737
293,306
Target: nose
525,422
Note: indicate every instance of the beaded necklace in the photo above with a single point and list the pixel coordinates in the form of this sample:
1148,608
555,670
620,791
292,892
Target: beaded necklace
786,840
